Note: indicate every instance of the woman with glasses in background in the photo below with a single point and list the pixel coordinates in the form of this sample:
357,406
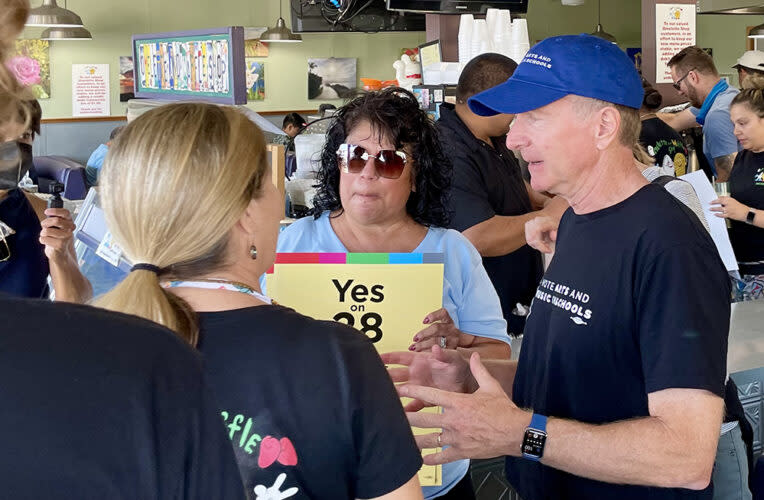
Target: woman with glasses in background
382,186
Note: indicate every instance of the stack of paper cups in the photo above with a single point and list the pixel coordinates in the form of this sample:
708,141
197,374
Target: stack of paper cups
465,37
492,22
480,43
520,41
504,46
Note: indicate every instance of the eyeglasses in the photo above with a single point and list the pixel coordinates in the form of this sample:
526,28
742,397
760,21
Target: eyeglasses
388,163
5,250
678,83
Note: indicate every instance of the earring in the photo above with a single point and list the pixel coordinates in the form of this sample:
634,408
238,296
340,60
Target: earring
253,252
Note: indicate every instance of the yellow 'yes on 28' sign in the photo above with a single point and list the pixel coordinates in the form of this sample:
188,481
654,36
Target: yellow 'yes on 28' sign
385,296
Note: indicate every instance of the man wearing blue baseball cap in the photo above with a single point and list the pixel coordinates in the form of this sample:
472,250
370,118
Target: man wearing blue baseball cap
618,389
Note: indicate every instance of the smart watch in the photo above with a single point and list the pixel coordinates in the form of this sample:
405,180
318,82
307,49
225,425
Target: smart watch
535,438
751,216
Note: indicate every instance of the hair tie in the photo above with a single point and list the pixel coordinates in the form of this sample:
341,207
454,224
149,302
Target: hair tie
145,267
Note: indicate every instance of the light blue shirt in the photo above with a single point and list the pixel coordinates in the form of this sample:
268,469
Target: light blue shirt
468,294
95,162
718,131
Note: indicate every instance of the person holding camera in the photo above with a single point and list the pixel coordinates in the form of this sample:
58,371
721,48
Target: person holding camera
34,240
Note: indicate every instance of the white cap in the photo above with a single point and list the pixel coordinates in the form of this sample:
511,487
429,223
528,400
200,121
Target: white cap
751,59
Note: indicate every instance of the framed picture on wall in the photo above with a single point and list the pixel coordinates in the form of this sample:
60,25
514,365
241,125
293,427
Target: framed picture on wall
206,65
255,80
332,78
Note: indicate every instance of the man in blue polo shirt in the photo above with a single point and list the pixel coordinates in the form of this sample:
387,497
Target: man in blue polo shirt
696,78
618,389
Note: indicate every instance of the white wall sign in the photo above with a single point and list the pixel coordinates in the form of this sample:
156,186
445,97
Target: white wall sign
90,90
674,30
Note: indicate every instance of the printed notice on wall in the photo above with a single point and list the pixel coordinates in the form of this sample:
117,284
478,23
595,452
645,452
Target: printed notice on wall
674,30
90,90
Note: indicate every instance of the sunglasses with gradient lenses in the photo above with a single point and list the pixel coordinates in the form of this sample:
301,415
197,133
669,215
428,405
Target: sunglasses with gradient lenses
352,159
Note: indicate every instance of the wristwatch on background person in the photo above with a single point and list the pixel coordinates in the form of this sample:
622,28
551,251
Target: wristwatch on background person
535,438
750,216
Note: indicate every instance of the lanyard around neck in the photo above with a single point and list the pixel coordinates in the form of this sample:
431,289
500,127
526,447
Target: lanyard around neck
218,284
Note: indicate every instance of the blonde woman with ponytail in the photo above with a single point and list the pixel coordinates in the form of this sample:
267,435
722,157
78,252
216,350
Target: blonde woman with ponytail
308,405
745,204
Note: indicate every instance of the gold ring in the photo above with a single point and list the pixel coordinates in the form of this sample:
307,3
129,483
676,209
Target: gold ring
439,434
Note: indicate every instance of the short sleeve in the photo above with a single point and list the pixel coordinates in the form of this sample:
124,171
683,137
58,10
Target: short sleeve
469,203
386,452
719,135
683,316
471,294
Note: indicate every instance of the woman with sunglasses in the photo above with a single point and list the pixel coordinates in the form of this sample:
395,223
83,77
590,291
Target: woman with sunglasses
382,186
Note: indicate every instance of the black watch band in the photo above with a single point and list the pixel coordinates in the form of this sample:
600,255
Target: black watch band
749,218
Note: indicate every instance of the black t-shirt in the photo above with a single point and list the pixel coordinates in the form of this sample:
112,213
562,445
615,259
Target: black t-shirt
636,300
487,182
25,274
101,405
664,144
308,399
747,187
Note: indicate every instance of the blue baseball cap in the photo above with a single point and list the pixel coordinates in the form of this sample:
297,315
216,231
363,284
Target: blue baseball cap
582,65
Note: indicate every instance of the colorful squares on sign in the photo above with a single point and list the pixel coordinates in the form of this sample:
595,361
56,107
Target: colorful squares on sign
359,258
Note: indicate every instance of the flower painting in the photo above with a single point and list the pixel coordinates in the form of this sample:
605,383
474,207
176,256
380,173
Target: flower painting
255,80
31,66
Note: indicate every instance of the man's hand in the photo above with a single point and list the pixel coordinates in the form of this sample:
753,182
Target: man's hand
441,325
541,233
57,234
485,424
439,368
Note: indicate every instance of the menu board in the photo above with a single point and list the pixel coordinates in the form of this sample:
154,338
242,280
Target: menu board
202,64
385,296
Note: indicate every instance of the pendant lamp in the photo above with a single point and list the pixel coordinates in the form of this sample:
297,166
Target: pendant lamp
50,15
757,32
280,33
66,34
599,32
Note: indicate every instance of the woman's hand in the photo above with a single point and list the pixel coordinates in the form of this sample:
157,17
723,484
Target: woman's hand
439,368
729,208
441,332
58,234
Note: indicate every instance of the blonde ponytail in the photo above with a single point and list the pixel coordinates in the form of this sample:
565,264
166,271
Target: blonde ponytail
174,183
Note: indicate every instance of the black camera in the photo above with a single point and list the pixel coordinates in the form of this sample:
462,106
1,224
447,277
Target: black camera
56,188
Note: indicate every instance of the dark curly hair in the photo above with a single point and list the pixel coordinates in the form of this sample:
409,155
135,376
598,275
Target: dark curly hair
394,113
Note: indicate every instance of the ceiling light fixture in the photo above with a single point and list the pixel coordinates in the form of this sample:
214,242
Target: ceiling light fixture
599,32
66,34
280,33
50,15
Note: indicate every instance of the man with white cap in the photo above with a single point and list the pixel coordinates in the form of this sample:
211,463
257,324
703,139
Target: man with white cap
750,63
618,389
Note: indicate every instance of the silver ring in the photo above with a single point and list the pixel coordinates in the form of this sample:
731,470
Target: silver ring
442,342
439,434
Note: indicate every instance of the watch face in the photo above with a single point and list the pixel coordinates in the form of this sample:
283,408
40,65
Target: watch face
533,443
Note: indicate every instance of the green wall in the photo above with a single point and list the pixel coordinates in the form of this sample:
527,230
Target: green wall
112,22
726,35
